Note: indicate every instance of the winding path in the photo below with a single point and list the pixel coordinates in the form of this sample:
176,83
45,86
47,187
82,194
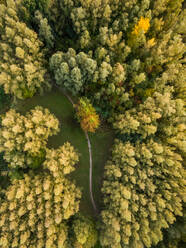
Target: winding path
90,159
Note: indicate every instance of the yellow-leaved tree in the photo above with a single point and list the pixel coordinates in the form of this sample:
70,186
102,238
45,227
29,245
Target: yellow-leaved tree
22,62
35,210
89,119
23,139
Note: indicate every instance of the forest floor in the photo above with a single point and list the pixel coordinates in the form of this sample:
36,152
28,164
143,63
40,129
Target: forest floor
71,131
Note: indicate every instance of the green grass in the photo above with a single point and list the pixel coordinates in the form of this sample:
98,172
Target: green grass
70,131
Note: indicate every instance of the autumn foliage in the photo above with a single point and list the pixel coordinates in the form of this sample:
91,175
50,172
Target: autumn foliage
87,116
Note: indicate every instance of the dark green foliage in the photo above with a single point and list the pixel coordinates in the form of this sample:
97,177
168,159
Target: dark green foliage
16,174
132,138
175,236
3,163
27,8
84,232
33,5
4,99
37,161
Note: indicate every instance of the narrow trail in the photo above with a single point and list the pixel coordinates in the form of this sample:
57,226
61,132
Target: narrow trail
90,159
90,173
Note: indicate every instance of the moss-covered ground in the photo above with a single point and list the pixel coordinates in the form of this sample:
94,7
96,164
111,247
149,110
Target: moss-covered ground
70,131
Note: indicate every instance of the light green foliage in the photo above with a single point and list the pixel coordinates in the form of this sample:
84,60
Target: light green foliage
85,232
73,71
127,57
61,160
159,115
45,32
22,63
139,41
23,138
35,210
143,192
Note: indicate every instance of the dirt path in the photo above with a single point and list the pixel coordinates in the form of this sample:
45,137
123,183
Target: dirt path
90,173
90,160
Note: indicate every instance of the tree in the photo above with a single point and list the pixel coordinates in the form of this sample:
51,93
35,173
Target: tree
139,40
45,31
35,210
175,236
73,71
23,139
31,6
143,192
85,233
22,66
87,116
61,160
159,115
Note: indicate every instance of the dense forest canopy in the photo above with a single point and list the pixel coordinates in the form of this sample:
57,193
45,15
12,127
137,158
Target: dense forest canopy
121,63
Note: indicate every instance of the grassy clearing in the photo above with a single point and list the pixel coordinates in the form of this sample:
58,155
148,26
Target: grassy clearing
70,131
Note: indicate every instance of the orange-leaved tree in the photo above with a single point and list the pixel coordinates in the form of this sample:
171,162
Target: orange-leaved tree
87,116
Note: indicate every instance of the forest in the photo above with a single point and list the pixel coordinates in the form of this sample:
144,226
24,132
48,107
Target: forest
92,124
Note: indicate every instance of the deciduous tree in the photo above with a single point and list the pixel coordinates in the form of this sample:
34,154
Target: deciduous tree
23,139
22,66
87,116
143,193
35,210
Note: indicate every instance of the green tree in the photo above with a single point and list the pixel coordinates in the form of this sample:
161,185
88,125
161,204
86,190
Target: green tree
160,115
143,192
85,233
23,139
73,71
45,31
35,210
22,66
